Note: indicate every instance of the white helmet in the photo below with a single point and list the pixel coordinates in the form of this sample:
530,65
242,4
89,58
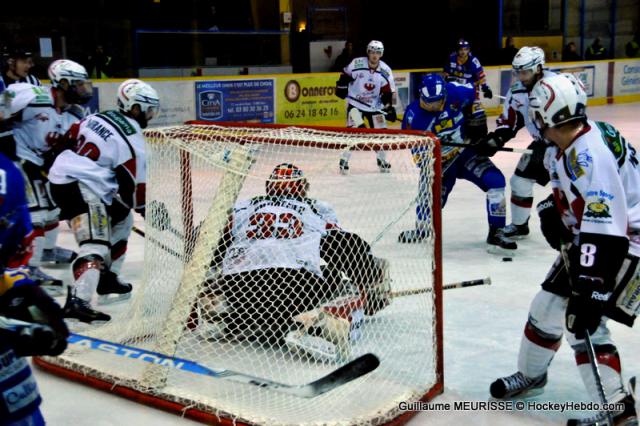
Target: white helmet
556,100
375,46
136,92
80,89
64,69
528,58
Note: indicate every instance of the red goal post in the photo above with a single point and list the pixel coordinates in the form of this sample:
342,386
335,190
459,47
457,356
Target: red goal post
199,170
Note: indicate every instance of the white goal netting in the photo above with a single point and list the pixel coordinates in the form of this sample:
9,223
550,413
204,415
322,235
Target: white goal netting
232,294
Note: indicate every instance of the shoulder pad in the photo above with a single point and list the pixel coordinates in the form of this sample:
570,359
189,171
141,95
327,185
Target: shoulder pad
361,62
22,94
613,140
119,121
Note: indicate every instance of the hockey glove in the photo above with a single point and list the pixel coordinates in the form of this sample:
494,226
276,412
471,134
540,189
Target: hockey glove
553,229
31,304
486,91
32,339
342,86
589,296
390,113
490,144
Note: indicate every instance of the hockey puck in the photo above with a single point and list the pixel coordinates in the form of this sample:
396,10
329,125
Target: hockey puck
507,259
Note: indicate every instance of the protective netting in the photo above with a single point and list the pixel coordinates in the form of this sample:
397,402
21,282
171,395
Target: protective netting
225,294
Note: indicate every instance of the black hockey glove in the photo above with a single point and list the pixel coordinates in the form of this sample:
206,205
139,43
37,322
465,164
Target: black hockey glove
30,303
589,296
390,113
342,86
32,339
490,144
593,268
553,229
486,91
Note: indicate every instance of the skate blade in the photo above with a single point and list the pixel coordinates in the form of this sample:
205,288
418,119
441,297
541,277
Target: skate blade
110,299
524,395
493,249
344,172
54,290
385,170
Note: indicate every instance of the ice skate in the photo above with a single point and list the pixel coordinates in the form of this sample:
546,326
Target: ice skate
516,232
80,310
499,244
518,385
58,255
111,289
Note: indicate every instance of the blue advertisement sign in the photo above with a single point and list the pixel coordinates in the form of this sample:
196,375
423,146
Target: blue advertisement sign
93,105
235,100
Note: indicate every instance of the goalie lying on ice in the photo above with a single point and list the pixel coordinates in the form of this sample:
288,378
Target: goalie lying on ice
272,287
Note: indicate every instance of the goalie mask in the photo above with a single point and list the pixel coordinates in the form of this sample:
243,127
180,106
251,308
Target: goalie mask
287,180
72,79
557,100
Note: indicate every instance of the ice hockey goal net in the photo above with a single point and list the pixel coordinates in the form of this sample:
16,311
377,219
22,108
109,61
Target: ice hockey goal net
196,173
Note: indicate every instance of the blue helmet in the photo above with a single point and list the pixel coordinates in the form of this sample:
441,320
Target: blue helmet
463,44
433,88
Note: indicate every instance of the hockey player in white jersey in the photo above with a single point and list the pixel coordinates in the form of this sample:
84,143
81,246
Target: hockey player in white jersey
367,84
97,185
39,129
594,217
272,288
528,67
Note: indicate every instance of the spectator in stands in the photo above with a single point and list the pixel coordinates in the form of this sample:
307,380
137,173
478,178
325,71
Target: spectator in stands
632,49
570,53
508,51
99,64
344,58
596,51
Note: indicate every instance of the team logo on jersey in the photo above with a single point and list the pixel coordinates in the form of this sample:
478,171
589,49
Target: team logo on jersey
576,163
211,104
292,90
370,86
598,209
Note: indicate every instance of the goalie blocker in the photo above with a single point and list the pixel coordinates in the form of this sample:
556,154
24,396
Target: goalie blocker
272,288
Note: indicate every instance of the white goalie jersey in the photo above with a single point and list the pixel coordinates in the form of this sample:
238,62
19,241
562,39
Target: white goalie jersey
368,84
104,142
596,183
39,125
277,232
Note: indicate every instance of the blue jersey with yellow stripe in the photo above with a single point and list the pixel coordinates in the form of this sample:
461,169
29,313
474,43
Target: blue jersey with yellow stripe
447,124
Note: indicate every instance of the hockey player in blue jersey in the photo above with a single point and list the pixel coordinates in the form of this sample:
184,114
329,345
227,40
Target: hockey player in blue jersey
30,321
446,109
465,68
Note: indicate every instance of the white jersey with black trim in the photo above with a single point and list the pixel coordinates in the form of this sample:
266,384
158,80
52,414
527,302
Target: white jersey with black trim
517,102
104,141
277,232
596,184
39,124
368,84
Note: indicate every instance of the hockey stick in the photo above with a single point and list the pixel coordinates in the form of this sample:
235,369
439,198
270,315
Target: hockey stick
159,244
593,361
461,284
464,145
379,111
352,370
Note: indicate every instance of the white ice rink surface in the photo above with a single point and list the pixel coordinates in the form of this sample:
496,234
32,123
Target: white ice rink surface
482,325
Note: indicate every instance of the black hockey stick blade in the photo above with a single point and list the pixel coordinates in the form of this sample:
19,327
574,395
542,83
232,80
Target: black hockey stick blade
343,375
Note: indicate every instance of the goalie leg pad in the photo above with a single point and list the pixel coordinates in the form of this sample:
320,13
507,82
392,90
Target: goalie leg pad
327,333
543,333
